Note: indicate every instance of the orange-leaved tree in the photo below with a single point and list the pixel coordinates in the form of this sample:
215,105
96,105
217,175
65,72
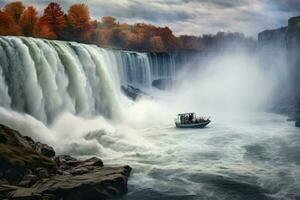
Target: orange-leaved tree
53,20
79,21
8,25
156,44
104,36
15,9
170,41
29,21
108,22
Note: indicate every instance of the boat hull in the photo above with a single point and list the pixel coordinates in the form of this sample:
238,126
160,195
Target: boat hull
192,125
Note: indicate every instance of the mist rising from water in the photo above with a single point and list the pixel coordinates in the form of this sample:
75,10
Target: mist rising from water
221,85
227,84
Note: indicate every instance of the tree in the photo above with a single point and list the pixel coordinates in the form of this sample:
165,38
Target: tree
29,21
190,42
140,31
53,19
156,44
104,37
132,41
108,22
79,21
170,41
8,25
15,9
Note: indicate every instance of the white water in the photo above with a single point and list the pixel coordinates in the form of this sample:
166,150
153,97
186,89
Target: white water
71,94
45,78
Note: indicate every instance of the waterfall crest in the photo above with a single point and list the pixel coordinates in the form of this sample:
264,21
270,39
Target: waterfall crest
43,78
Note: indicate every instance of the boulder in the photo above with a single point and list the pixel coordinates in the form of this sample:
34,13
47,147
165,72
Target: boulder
44,149
132,92
66,162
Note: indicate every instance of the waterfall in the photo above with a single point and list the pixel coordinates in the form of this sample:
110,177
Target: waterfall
157,60
44,78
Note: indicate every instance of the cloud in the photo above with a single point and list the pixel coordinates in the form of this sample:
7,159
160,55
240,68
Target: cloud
193,16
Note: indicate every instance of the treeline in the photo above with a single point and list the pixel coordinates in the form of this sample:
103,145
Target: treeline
219,41
77,25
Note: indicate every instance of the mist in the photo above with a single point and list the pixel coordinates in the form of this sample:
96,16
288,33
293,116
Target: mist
224,86
228,84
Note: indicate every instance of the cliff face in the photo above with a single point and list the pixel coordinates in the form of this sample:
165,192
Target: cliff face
272,43
279,50
293,54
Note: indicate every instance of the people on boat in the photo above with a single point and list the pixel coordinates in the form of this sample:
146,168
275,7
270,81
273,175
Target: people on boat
190,118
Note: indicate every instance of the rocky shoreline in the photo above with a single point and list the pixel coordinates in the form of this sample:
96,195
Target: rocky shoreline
31,170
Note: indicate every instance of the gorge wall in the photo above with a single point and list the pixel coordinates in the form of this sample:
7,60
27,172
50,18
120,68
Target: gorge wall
279,50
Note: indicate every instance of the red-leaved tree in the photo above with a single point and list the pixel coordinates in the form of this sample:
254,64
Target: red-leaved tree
28,21
8,25
53,19
15,10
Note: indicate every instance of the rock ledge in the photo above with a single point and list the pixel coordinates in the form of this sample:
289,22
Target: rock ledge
30,170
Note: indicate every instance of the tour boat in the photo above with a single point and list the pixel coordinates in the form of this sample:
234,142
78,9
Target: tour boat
190,120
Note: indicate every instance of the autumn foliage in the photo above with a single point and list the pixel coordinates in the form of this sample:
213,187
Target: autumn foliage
28,21
15,10
52,20
77,25
8,25
79,22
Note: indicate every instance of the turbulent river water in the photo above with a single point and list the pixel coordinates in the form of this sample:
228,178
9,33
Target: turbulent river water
68,95
256,157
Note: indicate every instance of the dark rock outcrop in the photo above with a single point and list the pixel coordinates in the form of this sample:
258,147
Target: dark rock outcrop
30,170
297,121
18,155
280,48
162,84
132,92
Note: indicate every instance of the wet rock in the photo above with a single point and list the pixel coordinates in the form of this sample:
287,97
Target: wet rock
17,155
79,171
102,183
28,173
41,172
162,84
66,161
28,180
132,92
94,161
44,149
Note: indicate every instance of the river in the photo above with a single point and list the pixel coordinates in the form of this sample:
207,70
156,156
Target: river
254,157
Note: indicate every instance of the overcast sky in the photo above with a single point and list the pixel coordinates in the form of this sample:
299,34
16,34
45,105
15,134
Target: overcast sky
192,16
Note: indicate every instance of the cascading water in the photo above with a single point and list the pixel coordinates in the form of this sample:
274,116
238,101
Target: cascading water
157,60
43,78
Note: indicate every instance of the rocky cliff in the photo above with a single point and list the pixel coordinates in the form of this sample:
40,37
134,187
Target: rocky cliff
30,170
293,53
279,50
